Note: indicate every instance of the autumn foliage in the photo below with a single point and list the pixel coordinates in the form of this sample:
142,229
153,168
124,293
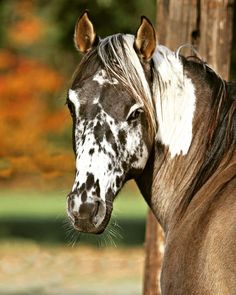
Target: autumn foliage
31,108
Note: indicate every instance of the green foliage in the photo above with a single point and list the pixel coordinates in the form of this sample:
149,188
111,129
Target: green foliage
51,204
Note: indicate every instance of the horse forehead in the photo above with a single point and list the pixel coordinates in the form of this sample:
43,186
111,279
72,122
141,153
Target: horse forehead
113,97
102,77
90,90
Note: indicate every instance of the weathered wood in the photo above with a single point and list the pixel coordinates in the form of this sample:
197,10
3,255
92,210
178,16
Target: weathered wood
216,34
176,22
206,24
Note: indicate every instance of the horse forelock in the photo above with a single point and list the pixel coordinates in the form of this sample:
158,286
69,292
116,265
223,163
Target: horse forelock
120,60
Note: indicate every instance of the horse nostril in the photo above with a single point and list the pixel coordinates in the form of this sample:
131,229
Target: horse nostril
87,210
83,210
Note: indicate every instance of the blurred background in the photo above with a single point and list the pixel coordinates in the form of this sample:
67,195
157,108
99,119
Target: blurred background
39,253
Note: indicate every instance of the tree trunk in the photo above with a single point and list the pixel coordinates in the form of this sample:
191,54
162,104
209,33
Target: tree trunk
207,25
154,247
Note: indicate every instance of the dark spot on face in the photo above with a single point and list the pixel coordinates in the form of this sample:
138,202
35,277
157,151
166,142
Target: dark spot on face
99,117
93,111
98,132
110,156
89,111
82,188
133,158
109,166
84,196
83,137
134,123
110,137
97,188
118,181
124,166
90,125
90,181
114,147
102,149
82,110
91,151
122,137
119,106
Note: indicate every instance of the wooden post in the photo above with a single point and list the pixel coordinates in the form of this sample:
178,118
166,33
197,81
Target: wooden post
216,31
154,253
206,24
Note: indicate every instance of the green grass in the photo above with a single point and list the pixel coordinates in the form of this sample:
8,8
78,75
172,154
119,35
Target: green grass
23,204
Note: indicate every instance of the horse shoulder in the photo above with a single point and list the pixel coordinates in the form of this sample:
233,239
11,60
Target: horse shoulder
219,246
200,251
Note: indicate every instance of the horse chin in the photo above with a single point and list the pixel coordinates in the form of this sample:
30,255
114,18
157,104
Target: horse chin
88,228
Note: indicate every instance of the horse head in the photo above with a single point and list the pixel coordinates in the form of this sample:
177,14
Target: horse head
113,120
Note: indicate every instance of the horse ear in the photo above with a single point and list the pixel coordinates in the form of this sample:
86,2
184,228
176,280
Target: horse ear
145,39
85,36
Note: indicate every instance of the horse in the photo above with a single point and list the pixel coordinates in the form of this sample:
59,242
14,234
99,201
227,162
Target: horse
141,111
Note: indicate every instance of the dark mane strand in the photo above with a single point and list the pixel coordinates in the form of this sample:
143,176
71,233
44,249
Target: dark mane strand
221,137
87,68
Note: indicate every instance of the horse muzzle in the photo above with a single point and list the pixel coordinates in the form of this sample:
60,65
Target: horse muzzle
88,217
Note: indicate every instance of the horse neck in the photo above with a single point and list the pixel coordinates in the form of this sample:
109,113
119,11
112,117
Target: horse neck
172,174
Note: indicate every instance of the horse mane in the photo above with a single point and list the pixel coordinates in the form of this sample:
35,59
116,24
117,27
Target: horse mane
221,137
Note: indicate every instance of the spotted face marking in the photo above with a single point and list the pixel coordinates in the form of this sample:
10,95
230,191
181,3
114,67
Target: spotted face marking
102,78
111,146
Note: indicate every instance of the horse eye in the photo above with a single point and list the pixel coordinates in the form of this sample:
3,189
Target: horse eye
134,114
